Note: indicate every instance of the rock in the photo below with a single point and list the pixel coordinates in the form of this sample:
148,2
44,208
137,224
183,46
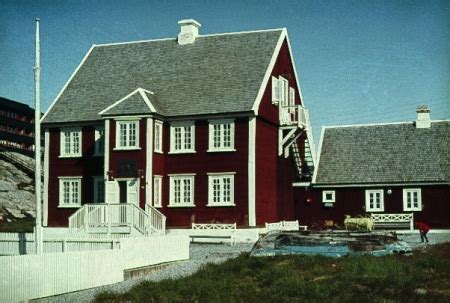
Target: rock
421,291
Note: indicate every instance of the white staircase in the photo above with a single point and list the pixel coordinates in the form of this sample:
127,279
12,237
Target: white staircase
118,218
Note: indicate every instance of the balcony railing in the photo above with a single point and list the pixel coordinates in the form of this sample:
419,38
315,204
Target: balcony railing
293,115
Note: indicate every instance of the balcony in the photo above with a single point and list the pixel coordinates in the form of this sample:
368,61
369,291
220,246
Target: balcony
293,115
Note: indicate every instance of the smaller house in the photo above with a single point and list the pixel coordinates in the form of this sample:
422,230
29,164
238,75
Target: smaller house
381,168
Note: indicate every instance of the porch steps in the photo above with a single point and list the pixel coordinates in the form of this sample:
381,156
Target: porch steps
139,272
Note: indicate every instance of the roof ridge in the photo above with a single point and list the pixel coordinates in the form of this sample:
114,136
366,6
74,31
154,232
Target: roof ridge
199,36
379,124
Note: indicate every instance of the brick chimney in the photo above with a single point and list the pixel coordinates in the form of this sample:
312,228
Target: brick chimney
423,117
188,32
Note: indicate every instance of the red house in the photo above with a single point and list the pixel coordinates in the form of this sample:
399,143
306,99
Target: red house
201,128
392,168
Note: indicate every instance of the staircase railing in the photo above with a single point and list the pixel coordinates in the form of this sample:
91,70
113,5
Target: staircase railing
11,157
112,215
157,221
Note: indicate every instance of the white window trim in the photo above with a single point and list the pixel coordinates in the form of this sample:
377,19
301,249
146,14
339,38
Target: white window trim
221,148
158,125
419,199
160,178
284,91
61,196
172,138
96,195
172,190
373,191
275,90
128,147
62,153
97,152
324,196
211,177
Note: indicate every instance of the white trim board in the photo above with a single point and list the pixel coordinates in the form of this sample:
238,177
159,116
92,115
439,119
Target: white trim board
139,90
252,171
46,176
393,185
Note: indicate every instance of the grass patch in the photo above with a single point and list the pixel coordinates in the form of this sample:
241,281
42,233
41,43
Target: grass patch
306,279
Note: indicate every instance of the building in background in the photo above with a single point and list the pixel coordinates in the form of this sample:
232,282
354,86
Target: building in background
16,127
392,168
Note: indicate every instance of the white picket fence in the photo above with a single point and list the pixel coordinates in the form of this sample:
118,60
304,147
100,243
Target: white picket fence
33,276
23,243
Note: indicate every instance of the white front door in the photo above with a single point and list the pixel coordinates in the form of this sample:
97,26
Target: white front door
133,191
112,191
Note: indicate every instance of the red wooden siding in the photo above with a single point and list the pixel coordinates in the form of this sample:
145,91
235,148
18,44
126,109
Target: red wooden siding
351,201
86,166
201,163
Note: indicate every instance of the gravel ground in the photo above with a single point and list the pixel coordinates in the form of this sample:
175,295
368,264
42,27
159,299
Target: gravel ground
201,254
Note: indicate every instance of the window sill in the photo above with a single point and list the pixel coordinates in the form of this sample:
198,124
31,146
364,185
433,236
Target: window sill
69,206
182,152
220,150
181,206
159,152
412,210
70,156
220,205
375,210
126,148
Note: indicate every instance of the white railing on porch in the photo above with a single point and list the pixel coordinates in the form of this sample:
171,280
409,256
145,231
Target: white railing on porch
157,220
293,115
118,215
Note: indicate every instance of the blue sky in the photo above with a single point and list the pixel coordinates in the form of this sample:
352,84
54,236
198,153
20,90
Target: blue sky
358,61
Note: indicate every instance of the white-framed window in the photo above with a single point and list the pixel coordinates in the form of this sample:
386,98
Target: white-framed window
328,196
99,138
157,191
158,137
291,96
221,189
99,189
69,191
221,135
281,92
374,200
70,142
412,199
181,191
182,138
284,91
127,134
275,90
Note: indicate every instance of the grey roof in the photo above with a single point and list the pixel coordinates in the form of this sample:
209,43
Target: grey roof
216,74
133,104
389,153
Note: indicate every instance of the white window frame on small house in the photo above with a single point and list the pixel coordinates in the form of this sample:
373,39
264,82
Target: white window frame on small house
99,189
408,194
328,196
371,196
275,90
157,191
99,143
221,135
158,137
221,189
182,138
71,142
69,192
127,134
182,188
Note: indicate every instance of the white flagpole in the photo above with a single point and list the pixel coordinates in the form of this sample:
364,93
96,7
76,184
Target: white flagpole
37,144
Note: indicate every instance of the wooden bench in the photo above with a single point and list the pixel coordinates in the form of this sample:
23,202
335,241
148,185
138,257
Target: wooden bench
213,231
386,221
285,226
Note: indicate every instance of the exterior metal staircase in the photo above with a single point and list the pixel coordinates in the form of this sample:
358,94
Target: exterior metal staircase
295,122
11,157
120,218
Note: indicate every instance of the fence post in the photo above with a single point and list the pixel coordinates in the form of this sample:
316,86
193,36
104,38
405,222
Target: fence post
411,223
64,243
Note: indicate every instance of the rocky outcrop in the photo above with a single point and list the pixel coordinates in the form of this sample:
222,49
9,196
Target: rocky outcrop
17,198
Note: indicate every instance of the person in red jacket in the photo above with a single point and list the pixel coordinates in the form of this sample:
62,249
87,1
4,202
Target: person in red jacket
423,229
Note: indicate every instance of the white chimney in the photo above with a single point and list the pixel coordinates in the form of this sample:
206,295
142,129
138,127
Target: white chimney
189,31
423,117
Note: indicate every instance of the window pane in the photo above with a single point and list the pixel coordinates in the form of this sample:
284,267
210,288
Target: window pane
123,135
66,142
177,191
187,190
226,190
75,143
216,135
132,134
227,135
187,137
177,140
